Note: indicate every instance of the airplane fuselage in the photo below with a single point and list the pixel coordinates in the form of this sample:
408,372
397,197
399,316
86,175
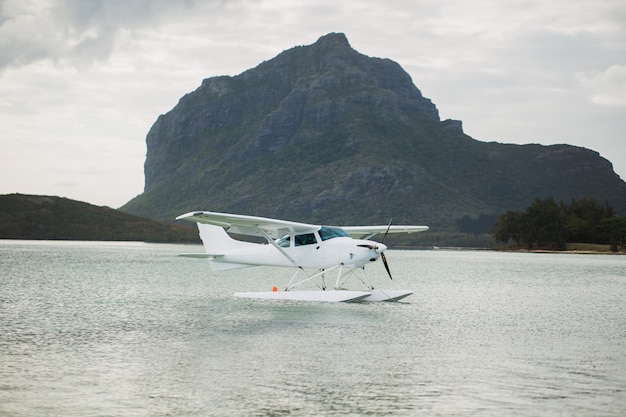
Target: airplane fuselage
319,255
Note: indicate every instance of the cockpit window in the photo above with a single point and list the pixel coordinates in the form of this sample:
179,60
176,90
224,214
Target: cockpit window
284,241
328,232
306,239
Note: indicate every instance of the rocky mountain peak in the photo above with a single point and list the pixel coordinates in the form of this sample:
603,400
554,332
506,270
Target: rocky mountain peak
333,39
322,130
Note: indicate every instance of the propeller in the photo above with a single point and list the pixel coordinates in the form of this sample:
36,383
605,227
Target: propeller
382,254
388,227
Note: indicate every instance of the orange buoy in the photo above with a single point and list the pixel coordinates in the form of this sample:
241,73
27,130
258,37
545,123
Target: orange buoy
274,289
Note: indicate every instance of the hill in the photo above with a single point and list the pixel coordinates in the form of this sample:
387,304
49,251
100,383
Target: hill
45,217
324,134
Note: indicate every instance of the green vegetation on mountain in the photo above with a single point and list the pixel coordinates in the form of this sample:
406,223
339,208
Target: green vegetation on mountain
45,217
547,224
324,134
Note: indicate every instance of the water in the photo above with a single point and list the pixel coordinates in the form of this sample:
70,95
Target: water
129,329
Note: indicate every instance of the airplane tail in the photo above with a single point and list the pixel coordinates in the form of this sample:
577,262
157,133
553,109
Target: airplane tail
216,241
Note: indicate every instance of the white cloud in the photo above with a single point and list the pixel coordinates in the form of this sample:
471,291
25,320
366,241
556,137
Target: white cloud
606,87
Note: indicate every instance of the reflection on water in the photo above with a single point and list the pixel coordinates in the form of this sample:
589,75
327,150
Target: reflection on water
130,329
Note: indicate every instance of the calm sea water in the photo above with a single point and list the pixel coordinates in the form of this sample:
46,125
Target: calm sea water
130,329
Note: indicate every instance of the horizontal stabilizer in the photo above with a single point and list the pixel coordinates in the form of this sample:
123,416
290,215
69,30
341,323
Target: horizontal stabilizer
200,255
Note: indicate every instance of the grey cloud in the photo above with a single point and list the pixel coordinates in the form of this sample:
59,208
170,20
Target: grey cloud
77,31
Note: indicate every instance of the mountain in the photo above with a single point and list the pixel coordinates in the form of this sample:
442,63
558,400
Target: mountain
46,217
324,134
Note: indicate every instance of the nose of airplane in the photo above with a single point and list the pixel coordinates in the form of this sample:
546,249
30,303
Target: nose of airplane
379,248
375,246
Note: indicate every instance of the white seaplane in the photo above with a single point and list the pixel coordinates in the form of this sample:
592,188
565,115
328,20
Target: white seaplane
313,250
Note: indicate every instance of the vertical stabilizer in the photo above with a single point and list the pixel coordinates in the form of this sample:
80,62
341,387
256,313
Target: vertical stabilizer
216,240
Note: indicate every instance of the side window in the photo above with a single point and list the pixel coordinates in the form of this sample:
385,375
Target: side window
306,239
284,241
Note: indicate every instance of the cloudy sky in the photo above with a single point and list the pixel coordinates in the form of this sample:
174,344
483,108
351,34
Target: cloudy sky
82,81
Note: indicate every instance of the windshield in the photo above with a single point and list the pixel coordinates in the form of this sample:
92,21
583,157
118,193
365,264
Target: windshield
328,232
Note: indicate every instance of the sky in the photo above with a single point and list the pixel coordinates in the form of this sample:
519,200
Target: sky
82,81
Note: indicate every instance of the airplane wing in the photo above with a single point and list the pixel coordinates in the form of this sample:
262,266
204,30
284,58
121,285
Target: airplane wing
249,225
366,232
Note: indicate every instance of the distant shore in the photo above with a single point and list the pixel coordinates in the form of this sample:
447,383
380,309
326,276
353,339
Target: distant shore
572,248
577,252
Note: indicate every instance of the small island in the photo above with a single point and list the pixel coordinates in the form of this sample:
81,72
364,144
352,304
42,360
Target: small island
35,217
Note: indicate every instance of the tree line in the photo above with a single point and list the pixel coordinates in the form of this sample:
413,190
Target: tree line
548,224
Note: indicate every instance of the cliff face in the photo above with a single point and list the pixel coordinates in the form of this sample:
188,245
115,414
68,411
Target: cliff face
282,102
322,133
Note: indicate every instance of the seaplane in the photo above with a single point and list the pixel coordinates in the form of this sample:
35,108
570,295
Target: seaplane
313,251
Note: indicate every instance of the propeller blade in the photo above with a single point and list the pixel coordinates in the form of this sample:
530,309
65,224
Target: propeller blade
388,227
382,256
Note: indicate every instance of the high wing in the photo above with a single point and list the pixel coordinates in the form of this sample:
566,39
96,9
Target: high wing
275,228
249,225
366,232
